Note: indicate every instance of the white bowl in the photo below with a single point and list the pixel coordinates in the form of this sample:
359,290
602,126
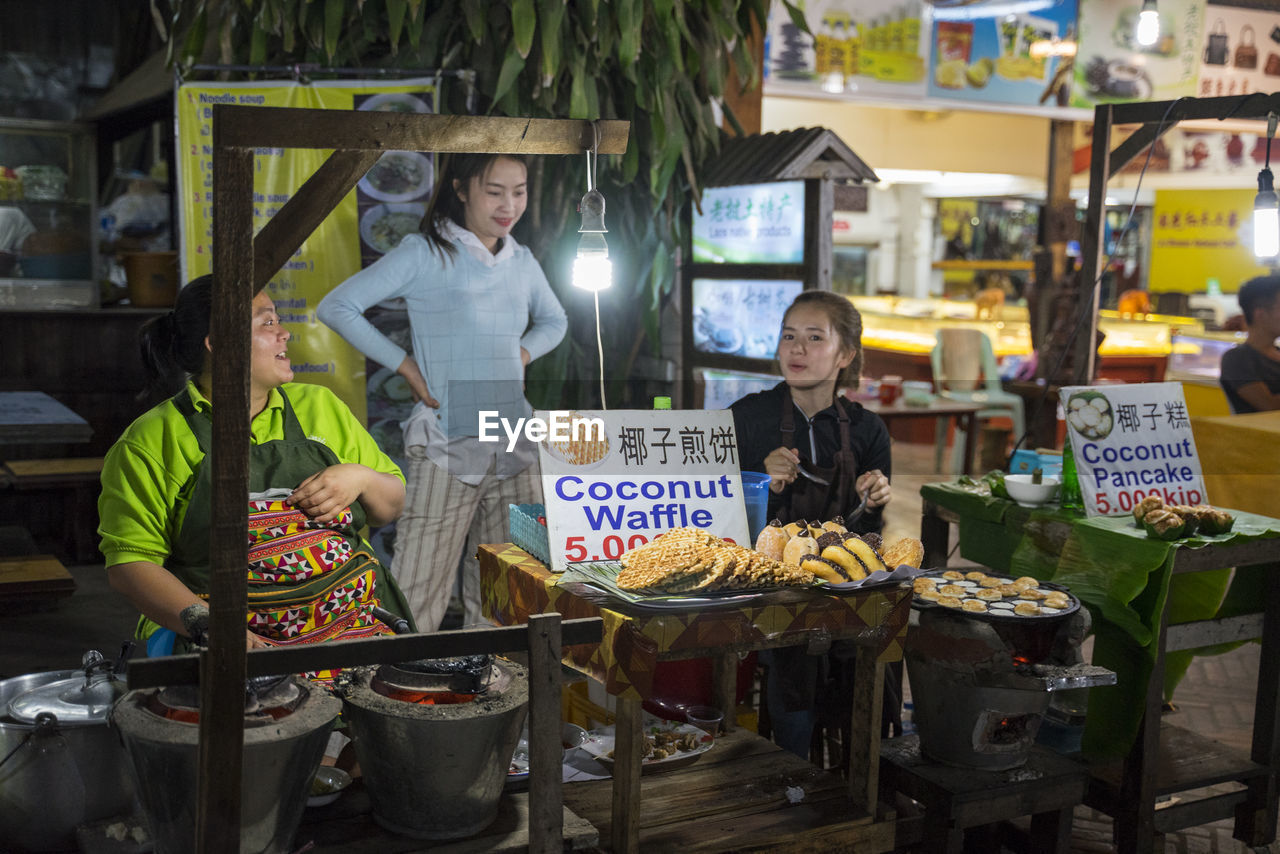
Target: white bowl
329,782
1029,494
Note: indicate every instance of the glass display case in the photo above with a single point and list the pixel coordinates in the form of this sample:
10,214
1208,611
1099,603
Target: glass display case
48,217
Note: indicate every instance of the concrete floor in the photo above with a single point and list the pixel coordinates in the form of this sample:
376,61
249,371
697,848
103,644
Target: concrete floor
1216,697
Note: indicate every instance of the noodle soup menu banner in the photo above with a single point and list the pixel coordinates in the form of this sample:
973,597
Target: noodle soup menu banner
387,204
614,480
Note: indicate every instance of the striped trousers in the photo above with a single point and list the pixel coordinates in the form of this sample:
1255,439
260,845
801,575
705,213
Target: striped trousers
443,520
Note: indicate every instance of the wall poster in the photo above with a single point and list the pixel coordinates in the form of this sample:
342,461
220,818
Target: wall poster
366,223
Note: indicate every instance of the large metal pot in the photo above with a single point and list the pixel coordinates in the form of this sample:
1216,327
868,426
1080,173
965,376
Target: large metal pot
60,775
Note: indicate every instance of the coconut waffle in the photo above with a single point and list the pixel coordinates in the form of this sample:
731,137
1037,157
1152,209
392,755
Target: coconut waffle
687,559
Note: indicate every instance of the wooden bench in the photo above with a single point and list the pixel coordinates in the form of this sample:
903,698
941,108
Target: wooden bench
78,480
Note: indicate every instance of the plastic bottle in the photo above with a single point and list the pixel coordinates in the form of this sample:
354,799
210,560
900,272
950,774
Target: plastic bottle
1071,499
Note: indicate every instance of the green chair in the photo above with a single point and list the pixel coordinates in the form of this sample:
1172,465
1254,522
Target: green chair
965,370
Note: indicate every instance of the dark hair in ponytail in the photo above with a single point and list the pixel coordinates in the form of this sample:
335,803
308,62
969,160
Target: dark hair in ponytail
445,202
172,345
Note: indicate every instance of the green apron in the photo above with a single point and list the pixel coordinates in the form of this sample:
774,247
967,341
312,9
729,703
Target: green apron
342,568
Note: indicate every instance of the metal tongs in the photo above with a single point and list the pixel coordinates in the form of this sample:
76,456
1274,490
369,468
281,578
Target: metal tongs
800,469
860,509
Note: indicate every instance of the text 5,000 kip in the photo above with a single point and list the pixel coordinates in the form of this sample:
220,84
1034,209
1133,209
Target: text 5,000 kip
613,546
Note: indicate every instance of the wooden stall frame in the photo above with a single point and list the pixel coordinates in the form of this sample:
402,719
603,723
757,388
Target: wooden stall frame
1156,117
242,265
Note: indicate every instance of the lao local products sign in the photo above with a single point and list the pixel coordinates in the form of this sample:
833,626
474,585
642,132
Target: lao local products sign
614,480
1131,441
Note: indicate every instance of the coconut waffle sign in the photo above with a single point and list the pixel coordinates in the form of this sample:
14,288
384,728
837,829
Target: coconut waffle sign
614,480
1131,442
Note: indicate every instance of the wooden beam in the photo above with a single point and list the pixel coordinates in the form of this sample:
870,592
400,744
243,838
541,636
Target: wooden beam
305,210
747,104
184,670
223,676
286,127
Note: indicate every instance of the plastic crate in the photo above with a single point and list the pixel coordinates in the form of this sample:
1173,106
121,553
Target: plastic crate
1025,461
526,532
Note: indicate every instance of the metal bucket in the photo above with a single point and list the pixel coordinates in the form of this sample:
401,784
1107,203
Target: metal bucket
59,779
280,759
437,772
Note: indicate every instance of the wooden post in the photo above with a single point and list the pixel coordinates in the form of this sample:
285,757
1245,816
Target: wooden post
222,685
624,833
1092,246
546,782
864,729
747,104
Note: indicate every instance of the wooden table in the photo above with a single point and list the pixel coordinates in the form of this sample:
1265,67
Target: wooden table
1166,759
33,417
515,586
1240,458
963,414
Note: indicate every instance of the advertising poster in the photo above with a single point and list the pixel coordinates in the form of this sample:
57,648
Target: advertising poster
1129,442
355,234
750,224
1239,52
1198,235
866,47
988,52
1112,67
740,317
613,481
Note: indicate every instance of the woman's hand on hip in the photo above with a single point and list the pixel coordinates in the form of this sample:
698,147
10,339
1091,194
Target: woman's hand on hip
875,481
781,466
327,492
417,382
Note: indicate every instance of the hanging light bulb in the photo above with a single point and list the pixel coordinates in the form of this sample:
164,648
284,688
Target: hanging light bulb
1148,31
1266,214
592,269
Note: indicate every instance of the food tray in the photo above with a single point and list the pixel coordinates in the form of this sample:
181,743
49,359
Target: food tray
997,616
600,743
525,532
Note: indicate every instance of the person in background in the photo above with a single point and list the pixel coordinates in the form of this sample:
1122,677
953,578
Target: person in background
1250,373
316,477
480,310
803,425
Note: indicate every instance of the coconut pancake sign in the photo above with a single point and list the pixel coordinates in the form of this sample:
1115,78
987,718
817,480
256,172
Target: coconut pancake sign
1129,442
614,480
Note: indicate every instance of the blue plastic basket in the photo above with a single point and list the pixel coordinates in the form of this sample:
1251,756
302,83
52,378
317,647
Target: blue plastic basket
522,524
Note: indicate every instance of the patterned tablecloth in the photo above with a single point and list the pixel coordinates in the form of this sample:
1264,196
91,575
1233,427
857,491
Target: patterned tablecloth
516,585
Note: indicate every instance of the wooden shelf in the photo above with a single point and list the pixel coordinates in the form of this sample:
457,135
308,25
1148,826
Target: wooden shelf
1186,761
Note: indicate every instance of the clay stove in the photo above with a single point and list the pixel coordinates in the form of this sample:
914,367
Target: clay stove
434,739
287,723
981,683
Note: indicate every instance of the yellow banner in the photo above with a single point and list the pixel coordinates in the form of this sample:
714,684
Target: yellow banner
1198,235
350,238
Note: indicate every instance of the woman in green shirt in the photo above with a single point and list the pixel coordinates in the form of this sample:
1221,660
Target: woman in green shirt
316,478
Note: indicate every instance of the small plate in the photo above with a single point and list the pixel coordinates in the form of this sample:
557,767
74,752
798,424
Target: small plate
600,743
519,767
330,781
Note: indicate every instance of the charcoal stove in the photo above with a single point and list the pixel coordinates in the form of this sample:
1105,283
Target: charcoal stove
434,739
286,725
981,682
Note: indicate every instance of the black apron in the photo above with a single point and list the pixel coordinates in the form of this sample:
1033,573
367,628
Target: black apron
806,499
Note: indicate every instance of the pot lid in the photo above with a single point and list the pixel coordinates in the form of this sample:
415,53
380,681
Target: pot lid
77,700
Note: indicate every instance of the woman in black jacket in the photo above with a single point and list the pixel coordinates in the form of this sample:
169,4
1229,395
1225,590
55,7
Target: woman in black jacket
824,454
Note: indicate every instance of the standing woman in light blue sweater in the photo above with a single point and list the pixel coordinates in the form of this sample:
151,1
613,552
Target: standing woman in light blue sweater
480,310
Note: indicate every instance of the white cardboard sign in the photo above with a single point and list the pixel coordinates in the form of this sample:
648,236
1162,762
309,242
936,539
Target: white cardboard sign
648,471
1131,441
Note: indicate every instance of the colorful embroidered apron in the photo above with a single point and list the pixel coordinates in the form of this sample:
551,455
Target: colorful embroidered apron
307,582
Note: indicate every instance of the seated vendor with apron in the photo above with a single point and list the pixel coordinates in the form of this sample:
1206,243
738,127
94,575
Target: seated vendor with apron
802,423
316,478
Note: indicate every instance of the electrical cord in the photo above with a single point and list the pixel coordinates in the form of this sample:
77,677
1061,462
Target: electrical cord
1086,303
